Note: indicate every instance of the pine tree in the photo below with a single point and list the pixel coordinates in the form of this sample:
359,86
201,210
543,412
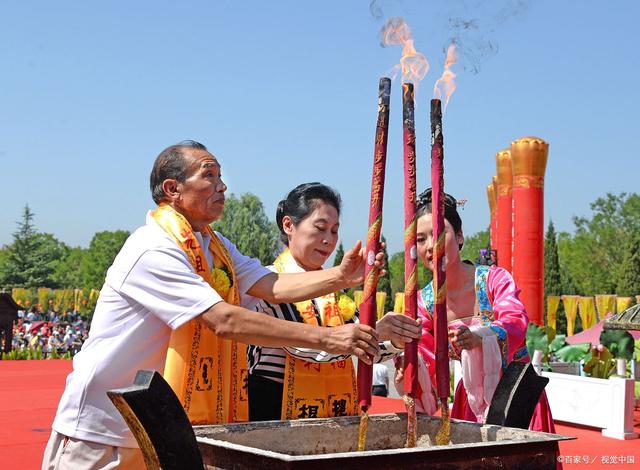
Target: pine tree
20,259
552,277
339,255
32,257
629,278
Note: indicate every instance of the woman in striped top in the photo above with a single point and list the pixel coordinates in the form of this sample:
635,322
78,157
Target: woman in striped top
318,383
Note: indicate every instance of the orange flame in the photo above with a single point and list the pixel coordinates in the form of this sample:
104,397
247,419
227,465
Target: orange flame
414,65
447,81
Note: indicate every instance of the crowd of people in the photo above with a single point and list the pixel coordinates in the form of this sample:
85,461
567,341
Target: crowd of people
50,332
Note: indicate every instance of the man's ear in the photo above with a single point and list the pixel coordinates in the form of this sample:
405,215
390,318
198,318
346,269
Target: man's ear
171,188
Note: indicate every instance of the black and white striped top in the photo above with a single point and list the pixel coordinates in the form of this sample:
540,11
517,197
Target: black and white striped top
269,362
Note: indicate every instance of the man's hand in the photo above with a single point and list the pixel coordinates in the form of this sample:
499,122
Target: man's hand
353,338
353,262
398,328
464,338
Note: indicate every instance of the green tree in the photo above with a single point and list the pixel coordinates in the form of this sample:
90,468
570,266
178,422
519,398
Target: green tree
473,245
565,243
245,223
594,254
396,273
552,277
629,280
49,253
384,282
4,259
339,255
99,257
19,259
32,257
68,272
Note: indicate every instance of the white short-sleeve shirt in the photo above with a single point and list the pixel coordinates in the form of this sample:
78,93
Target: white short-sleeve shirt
150,289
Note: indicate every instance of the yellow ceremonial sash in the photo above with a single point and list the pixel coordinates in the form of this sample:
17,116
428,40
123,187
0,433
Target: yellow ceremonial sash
316,390
207,373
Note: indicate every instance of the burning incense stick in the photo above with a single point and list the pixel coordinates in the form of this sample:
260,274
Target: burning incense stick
410,256
368,306
439,277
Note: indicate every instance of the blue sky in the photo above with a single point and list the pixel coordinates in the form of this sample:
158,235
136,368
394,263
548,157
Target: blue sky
284,92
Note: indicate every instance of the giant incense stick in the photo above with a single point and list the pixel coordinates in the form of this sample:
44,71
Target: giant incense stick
439,277
410,256
368,305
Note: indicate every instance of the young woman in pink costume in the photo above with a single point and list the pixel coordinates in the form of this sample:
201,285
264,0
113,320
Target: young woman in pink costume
486,319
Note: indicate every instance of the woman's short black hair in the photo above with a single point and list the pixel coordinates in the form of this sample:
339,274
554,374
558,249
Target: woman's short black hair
450,209
302,201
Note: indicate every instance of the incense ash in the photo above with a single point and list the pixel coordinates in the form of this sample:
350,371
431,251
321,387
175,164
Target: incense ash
412,421
443,437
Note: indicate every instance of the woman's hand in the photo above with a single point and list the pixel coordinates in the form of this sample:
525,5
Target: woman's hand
353,262
464,338
399,329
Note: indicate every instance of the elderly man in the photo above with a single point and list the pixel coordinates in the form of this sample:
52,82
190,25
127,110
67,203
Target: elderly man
171,302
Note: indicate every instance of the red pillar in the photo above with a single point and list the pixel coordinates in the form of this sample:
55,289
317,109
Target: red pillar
504,209
529,155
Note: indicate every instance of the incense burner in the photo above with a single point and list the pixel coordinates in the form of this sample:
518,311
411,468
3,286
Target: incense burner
332,443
